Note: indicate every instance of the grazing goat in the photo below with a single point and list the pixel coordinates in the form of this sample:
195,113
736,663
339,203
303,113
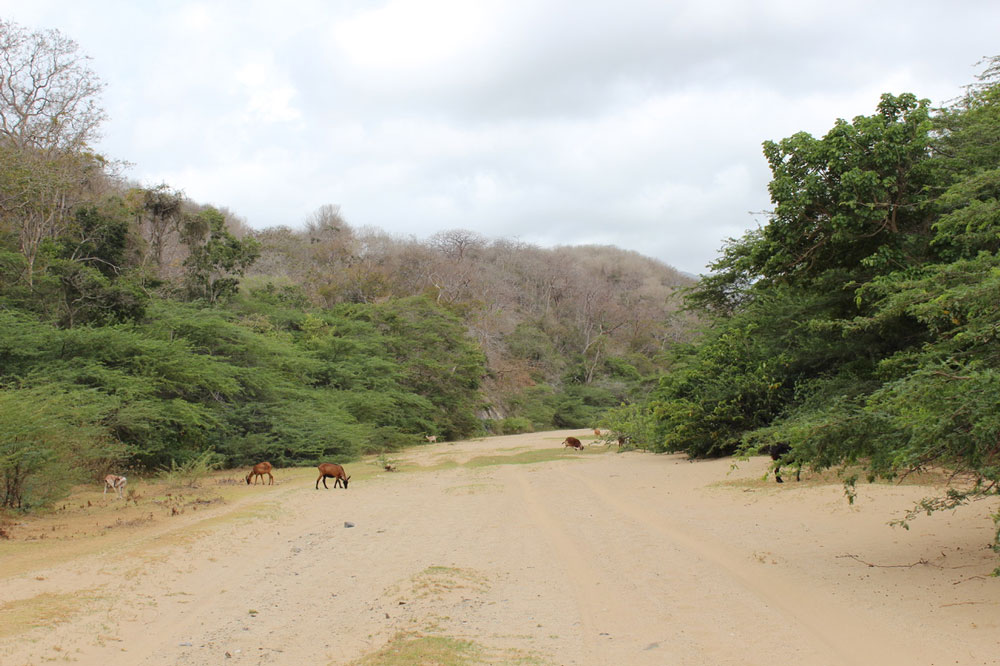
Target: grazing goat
333,471
573,443
116,483
431,438
623,440
777,452
259,470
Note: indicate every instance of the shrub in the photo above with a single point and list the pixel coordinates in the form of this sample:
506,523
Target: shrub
514,425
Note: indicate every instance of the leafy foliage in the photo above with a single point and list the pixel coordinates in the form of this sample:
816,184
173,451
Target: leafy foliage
190,379
52,438
860,325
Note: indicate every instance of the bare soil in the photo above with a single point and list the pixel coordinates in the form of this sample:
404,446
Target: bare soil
503,550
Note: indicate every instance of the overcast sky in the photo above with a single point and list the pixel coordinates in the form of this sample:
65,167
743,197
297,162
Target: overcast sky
635,123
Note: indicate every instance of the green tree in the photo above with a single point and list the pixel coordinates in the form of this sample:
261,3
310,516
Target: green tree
859,326
216,258
440,361
51,438
847,207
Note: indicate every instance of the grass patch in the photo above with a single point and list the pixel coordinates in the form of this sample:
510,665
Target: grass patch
409,649
529,457
436,467
474,489
44,610
434,582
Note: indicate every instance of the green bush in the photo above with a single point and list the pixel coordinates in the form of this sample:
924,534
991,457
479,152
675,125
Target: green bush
580,406
191,472
50,439
514,425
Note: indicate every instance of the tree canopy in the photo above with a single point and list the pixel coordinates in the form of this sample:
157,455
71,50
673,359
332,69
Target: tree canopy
859,326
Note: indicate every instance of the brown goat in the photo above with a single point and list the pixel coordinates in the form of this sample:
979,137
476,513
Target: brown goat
333,471
259,470
573,443
431,438
597,432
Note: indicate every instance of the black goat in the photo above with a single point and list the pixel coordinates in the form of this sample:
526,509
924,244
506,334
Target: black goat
778,452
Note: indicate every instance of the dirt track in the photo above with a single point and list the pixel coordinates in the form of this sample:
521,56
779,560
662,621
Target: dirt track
591,558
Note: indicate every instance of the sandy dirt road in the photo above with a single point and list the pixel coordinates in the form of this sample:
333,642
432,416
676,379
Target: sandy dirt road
589,558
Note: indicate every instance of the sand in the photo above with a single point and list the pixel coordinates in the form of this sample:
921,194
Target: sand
507,550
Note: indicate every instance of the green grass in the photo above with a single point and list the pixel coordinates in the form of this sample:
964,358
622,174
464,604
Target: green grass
409,649
529,457
43,610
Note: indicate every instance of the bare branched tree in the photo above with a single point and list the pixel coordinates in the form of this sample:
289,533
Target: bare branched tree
160,210
49,113
48,94
457,243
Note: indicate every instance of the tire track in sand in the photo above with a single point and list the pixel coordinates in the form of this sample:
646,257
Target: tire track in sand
796,603
594,606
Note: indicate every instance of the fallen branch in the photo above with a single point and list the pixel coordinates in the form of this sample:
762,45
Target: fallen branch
966,580
889,566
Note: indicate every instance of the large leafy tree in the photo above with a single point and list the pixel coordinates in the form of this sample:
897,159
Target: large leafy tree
859,326
848,207
216,259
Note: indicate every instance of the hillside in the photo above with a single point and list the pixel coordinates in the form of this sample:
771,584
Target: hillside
584,318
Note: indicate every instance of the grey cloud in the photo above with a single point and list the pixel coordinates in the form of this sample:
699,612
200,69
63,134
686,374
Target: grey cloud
634,123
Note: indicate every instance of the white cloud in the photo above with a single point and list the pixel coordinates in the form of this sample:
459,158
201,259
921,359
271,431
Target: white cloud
270,96
636,123
196,17
413,36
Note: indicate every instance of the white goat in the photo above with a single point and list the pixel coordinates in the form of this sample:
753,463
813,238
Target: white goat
116,483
